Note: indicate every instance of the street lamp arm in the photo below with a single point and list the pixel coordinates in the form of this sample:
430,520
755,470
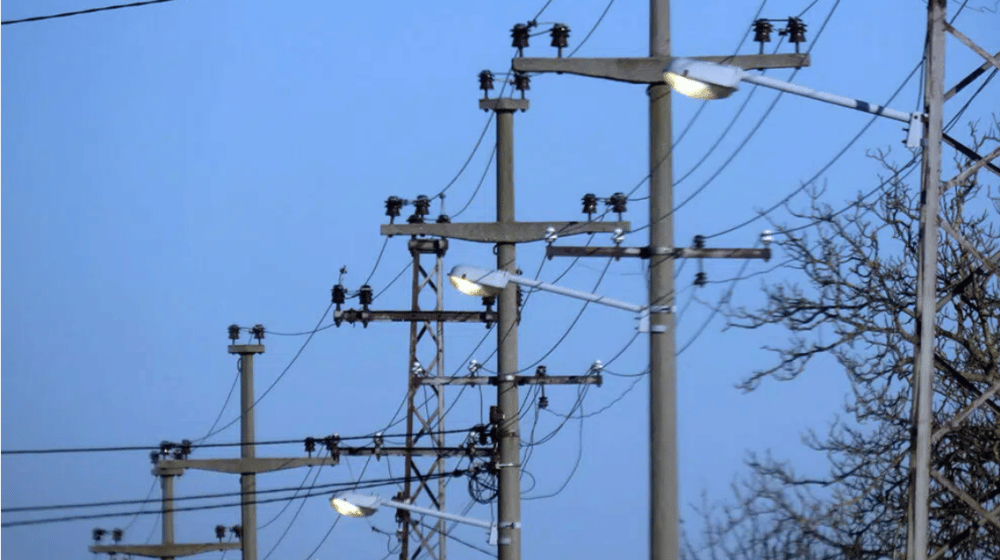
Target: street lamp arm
706,80
848,102
593,298
437,513
353,504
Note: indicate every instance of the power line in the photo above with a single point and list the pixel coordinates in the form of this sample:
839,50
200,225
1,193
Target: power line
225,403
277,379
456,539
294,517
326,489
823,169
482,178
690,123
172,445
807,8
301,486
475,148
87,11
392,422
131,522
715,310
539,14
746,139
592,29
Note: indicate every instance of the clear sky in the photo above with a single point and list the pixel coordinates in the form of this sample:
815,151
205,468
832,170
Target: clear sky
172,169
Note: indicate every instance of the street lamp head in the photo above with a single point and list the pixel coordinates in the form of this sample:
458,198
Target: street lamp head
355,505
476,281
702,80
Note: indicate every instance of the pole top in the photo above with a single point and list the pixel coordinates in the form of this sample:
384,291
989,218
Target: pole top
246,348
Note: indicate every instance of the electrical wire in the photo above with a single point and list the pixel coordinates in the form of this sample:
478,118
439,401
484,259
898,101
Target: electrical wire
576,463
378,260
726,298
456,539
300,333
718,142
375,483
807,8
690,123
277,380
111,503
225,403
475,148
392,422
539,14
747,138
572,324
172,445
592,29
479,185
148,494
823,169
285,507
87,11
295,516
898,175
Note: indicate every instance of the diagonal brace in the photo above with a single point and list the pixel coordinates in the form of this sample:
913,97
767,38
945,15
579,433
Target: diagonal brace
968,42
969,501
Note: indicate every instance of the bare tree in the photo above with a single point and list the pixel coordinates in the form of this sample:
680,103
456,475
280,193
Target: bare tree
856,303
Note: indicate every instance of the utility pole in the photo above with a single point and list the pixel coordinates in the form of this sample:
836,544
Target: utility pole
664,520
509,432
505,233
167,549
927,304
418,470
248,479
923,366
247,466
167,515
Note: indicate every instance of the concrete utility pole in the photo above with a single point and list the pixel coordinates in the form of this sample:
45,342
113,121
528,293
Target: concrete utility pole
167,515
248,479
506,232
247,466
167,549
664,520
428,375
509,432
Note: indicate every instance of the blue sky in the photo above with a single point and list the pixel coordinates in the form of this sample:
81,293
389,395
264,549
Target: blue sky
172,169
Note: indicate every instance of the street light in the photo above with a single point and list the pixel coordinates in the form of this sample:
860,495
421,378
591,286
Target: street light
476,281
708,80
351,504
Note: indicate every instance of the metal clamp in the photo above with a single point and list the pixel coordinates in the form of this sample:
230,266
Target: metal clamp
645,326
